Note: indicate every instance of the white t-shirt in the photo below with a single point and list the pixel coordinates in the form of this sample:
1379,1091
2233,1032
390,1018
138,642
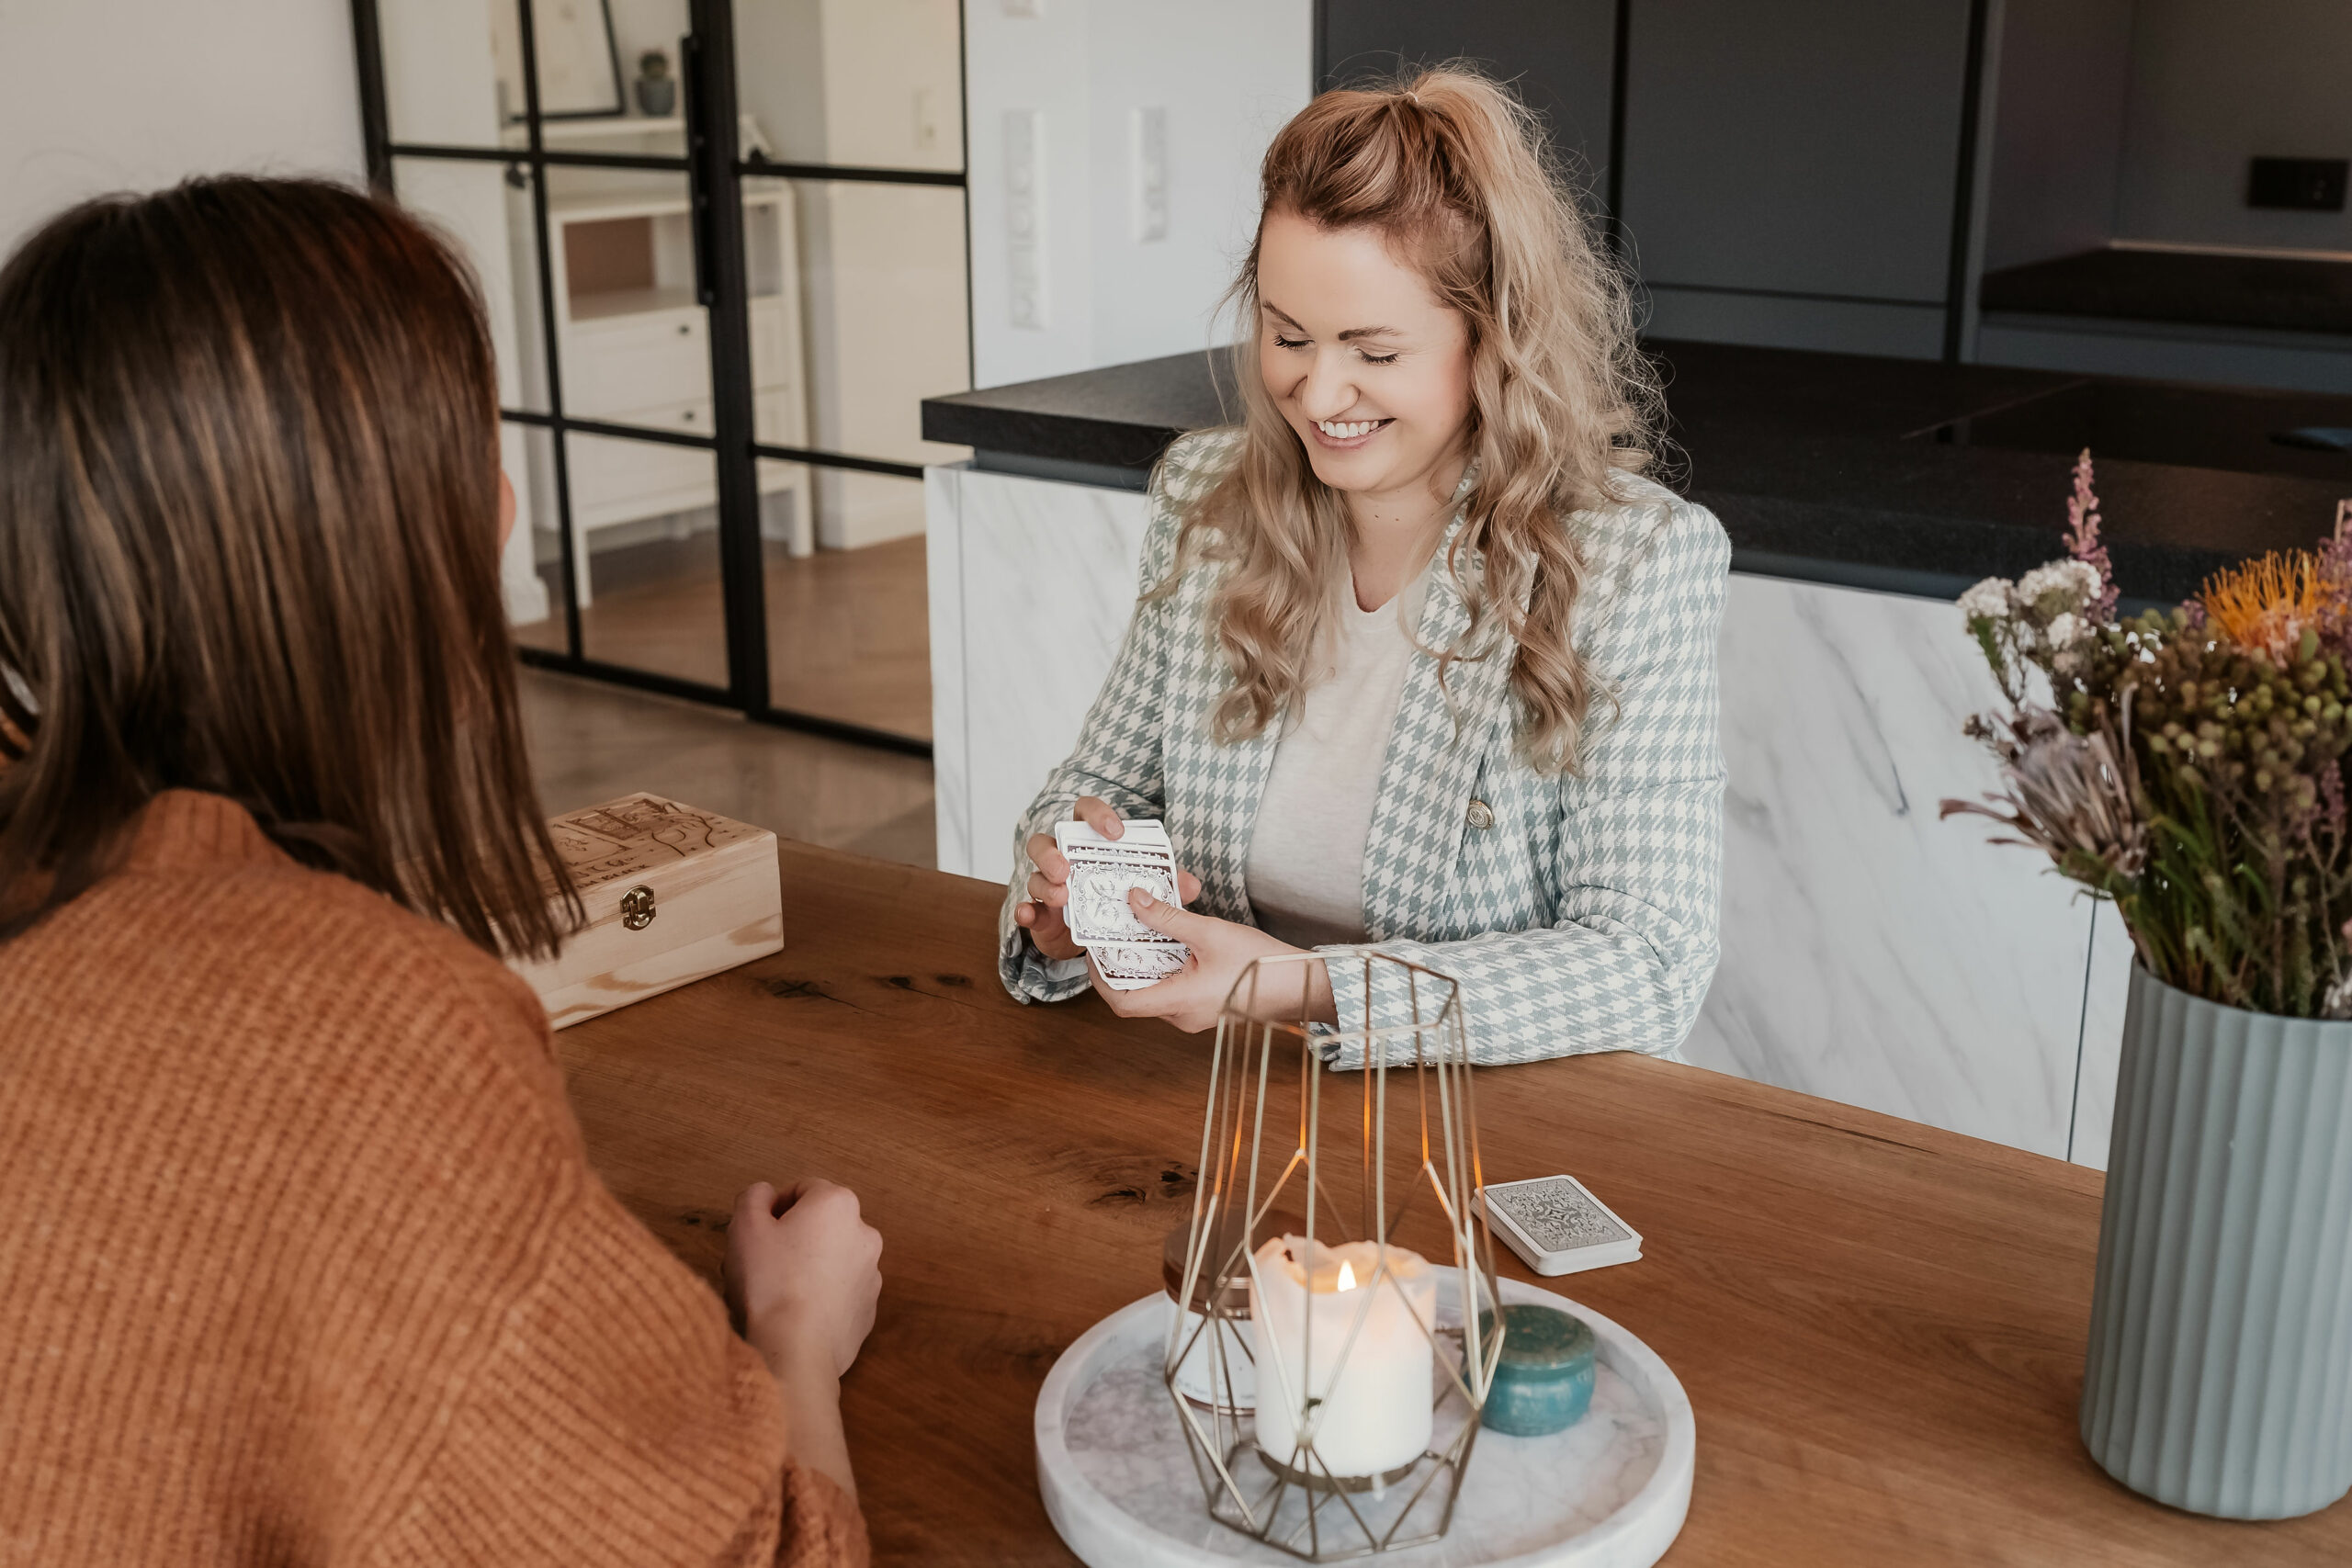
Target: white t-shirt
1305,873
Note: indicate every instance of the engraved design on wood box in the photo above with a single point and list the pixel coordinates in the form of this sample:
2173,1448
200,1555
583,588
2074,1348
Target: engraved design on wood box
626,838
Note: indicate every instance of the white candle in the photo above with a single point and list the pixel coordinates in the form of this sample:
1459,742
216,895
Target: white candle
1374,1415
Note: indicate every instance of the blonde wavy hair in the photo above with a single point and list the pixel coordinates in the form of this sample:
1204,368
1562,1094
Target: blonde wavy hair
1453,170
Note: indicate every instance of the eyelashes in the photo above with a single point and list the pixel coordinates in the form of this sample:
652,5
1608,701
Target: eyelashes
1282,342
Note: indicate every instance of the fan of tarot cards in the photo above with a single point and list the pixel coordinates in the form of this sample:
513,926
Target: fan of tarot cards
1130,954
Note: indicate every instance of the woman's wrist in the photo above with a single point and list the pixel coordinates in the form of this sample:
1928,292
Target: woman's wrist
1309,1001
788,1352
809,1383
1319,1006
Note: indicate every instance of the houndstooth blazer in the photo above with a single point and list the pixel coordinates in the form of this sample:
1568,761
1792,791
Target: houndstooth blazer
1577,913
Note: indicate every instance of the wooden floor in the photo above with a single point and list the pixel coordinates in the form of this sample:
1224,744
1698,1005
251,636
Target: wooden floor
849,633
591,742
849,636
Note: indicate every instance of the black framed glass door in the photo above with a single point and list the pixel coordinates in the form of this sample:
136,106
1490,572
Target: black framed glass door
724,264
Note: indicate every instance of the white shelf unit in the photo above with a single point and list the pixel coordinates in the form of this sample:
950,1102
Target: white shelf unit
636,350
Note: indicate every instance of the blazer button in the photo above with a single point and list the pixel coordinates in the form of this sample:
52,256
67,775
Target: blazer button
1480,816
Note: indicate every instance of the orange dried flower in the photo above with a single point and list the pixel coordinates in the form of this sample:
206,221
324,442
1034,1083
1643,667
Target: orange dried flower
2264,606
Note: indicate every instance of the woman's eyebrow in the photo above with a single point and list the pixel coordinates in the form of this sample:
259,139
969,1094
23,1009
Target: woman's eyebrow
1348,336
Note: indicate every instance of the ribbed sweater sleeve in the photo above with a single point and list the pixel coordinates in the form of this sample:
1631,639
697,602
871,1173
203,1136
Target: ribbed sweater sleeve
616,1420
302,1261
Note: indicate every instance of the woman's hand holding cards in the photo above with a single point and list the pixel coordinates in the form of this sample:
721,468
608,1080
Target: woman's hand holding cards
1043,915
1191,998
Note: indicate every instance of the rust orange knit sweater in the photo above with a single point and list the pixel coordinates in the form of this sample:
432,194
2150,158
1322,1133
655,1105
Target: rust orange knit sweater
300,1262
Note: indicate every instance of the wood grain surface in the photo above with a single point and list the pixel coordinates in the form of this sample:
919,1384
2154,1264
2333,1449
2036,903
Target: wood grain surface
1880,1325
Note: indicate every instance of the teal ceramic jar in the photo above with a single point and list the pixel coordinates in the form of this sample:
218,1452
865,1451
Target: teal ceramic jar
1543,1383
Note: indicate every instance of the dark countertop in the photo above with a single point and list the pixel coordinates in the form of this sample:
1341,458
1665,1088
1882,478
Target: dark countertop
1906,475
2283,293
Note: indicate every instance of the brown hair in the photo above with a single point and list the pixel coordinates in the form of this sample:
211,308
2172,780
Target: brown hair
248,545
1453,170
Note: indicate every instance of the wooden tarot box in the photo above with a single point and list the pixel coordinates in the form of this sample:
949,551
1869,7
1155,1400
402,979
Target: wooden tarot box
672,895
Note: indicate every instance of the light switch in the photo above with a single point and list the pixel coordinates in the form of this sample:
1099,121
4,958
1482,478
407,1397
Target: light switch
1025,217
1148,160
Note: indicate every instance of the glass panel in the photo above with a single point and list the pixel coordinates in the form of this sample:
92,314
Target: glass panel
531,571
879,272
872,83
486,209
645,531
849,633
633,339
446,82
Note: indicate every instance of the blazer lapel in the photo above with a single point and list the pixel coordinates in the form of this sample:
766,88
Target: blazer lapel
1441,733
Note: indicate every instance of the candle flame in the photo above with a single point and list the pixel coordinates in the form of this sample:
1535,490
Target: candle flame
1347,1276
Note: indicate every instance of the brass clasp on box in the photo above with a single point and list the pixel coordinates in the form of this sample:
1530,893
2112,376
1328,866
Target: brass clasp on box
637,909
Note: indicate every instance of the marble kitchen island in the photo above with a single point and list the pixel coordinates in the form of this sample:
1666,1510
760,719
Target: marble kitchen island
1871,953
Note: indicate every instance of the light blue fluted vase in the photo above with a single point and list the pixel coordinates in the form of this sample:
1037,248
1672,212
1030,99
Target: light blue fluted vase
2220,1373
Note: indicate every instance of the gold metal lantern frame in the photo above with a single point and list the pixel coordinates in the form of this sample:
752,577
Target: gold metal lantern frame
1371,1155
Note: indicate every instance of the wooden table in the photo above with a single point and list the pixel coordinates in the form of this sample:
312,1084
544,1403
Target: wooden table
1880,1325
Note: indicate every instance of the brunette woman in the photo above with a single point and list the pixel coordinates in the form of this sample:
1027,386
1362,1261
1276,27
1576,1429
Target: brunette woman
300,1260
1423,659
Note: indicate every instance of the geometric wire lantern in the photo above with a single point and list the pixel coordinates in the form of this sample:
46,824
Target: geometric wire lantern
1366,1404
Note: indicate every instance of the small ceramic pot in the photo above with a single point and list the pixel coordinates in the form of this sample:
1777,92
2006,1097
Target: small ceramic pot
1543,1383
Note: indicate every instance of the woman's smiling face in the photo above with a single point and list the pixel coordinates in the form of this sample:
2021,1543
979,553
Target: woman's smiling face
1370,368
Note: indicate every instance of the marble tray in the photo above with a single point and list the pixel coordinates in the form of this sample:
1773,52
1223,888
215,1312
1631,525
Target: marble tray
1609,1491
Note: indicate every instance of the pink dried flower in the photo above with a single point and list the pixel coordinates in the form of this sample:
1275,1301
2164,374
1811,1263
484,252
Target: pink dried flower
2082,536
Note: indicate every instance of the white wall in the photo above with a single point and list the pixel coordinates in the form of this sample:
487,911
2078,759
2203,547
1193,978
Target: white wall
98,95
2213,85
106,95
1227,72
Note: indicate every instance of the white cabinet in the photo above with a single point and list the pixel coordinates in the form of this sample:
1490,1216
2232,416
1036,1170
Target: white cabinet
1031,584
635,347
1871,953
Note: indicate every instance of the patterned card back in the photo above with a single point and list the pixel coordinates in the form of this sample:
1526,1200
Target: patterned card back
1557,1214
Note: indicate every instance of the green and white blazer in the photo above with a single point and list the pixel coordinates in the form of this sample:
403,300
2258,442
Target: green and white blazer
1577,913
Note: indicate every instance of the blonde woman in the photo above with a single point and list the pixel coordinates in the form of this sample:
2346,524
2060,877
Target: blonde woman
1422,659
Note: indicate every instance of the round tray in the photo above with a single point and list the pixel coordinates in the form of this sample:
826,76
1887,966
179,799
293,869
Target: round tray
1609,1491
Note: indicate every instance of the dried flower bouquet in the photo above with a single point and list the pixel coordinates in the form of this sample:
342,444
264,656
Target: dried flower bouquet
2187,763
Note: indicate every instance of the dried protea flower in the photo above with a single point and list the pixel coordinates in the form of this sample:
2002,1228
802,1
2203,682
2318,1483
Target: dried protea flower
2069,795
